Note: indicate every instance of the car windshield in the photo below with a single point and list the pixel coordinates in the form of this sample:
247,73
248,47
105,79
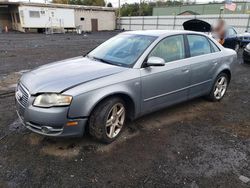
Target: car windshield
122,50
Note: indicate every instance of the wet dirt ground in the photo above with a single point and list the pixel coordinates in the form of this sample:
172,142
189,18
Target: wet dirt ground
195,144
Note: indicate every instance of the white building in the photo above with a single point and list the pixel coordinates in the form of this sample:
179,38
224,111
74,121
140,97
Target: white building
24,16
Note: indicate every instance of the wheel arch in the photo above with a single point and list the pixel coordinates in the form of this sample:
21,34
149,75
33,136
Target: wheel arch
129,102
227,72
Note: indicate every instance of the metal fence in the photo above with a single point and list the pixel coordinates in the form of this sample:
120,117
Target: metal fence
239,21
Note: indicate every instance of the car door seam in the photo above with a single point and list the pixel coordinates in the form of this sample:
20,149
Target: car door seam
175,91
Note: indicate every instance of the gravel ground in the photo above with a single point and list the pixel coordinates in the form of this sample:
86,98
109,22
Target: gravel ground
193,144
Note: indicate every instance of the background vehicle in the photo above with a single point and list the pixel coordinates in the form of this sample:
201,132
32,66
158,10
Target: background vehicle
246,54
232,40
244,38
131,74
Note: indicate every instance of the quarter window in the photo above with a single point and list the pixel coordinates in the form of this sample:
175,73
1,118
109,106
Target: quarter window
170,49
231,32
198,45
214,47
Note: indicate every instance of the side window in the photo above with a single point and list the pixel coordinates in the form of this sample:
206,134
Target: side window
231,32
198,45
214,47
170,49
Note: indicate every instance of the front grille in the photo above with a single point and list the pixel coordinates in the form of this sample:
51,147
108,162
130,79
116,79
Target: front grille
22,95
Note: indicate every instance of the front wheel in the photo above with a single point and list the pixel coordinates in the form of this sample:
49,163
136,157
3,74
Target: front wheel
219,88
107,120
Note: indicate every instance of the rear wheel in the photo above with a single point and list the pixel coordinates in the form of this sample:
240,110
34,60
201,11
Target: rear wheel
219,88
107,120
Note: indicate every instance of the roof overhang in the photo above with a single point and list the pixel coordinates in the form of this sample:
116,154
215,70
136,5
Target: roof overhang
53,5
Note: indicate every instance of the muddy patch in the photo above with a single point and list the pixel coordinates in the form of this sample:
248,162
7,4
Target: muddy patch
125,136
236,130
61,150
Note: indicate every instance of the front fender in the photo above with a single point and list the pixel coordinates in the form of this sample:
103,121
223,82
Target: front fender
83,104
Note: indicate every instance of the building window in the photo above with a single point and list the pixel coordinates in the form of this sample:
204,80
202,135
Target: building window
34,14
82,19
43,12
17,18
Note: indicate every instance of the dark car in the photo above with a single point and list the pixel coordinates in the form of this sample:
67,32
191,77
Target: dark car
244,38
232,40
246,54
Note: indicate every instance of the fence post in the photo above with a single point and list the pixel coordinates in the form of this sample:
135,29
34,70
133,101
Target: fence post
142,22
174,21
248,22
130,23
157,22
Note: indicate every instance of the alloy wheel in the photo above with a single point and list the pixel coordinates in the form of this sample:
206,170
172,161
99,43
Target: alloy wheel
220,87
115,120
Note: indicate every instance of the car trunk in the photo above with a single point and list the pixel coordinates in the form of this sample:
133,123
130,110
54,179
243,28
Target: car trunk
197,25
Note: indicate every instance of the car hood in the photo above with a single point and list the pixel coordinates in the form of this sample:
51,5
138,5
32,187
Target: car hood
60,76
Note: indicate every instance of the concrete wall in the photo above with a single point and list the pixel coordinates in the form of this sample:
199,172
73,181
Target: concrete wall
239,21
106,19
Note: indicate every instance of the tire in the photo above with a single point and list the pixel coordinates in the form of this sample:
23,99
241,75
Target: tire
105,124
218,90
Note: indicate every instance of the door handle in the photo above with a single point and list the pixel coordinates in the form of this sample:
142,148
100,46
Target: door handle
185,70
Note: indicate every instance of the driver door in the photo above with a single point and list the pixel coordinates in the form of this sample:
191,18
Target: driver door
166,85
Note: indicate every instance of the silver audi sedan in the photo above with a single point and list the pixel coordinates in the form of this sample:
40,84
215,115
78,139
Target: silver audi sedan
131,74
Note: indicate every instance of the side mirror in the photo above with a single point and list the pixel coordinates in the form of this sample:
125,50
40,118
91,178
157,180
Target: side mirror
155,61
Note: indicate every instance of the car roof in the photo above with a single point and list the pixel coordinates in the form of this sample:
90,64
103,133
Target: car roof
159,33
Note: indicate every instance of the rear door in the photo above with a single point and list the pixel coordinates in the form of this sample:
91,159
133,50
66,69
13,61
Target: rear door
166,85
204,59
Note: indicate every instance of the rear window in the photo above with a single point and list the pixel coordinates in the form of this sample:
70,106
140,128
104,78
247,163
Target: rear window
198,45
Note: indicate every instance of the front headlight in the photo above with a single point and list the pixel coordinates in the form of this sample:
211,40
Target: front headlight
49,100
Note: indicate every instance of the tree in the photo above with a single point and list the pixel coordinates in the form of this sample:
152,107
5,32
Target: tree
109,5
146,8
81,2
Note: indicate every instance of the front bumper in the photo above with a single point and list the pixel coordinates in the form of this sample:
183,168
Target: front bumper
49,121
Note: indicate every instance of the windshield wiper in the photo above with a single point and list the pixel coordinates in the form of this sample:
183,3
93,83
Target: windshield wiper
105,61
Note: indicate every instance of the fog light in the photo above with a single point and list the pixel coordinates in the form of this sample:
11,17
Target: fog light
72,123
